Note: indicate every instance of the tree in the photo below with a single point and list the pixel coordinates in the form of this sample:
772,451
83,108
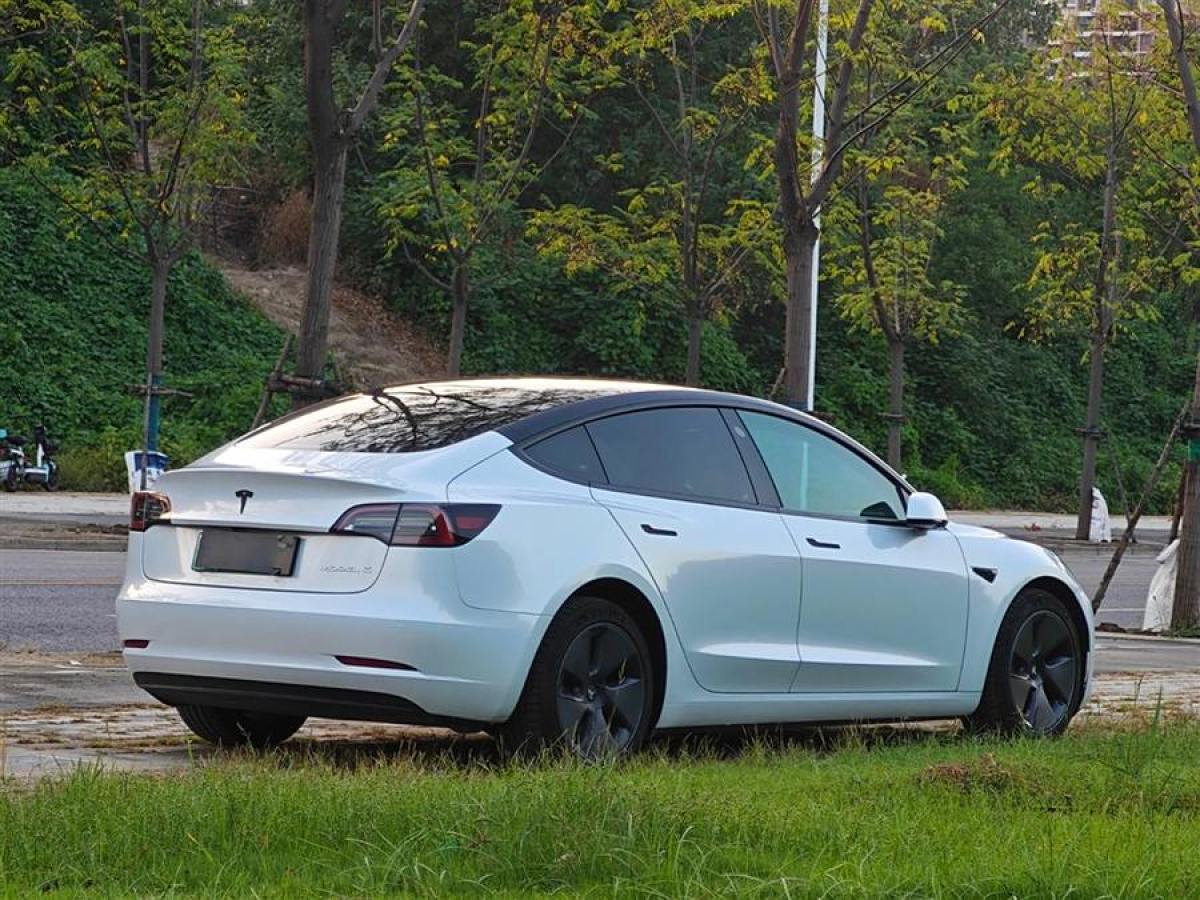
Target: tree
462,166
332,129
930,45
888,233
696,219
1185,611
155,112
1083,120
803,189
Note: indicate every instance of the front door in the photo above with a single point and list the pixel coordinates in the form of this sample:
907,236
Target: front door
728,571
884,605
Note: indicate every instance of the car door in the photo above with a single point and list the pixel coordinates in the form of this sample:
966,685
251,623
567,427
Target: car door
884,605
727,568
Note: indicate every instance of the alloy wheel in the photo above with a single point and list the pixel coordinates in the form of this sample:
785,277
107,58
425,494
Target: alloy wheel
1043,670
601,690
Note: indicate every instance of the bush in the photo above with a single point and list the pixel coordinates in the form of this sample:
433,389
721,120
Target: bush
73,340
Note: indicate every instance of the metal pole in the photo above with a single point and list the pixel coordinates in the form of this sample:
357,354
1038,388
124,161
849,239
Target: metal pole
818,153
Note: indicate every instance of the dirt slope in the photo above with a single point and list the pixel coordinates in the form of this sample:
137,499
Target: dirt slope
373,347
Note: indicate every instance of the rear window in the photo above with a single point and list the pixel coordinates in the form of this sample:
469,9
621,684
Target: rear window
412,418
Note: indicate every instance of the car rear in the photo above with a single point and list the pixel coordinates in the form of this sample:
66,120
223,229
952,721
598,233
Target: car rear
309,567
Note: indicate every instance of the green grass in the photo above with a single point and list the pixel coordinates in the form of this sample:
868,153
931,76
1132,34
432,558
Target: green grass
1100,813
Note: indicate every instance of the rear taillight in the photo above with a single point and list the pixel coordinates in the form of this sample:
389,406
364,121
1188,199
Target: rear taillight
418,524
146,508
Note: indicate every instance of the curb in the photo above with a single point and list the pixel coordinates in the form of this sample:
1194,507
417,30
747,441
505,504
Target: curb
96,544
1159,638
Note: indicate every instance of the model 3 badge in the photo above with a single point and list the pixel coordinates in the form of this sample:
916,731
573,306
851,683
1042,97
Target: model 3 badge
243,495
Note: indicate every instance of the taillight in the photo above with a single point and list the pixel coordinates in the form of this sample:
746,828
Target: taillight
146,508
418,524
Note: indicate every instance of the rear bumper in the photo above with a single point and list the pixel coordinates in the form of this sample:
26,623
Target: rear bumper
461,663
290,699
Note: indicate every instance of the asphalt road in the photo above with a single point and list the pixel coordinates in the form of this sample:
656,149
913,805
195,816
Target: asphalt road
60,603
62,600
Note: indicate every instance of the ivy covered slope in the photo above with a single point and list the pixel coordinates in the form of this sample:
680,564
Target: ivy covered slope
73,337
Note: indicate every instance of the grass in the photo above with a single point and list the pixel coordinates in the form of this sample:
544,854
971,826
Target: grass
1099,813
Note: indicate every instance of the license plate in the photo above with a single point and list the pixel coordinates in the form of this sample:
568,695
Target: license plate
246,552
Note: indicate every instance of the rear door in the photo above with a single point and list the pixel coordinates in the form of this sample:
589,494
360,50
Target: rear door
727,567
885,605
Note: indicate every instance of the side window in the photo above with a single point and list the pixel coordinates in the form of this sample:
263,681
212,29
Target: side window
570,454
815,474
686,451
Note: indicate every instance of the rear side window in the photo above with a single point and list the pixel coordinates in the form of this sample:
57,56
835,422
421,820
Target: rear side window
413,418
686,452
569,454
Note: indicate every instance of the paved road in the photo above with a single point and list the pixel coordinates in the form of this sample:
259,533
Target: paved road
62,600
61,603
59,600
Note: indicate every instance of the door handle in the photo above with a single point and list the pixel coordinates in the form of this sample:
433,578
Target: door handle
813,542
663,532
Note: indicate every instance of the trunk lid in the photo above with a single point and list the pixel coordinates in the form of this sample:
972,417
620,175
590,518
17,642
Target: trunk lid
289,492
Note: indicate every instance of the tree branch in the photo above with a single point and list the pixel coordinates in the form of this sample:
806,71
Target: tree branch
370,95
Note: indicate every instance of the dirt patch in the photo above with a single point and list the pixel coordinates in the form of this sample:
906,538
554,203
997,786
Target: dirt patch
983,774
373,347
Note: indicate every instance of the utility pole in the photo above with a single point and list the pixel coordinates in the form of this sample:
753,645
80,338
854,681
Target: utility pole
818,151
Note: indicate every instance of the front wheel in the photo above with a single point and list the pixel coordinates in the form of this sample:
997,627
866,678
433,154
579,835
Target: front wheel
234,728
1035,678
51,482
10,478
591,687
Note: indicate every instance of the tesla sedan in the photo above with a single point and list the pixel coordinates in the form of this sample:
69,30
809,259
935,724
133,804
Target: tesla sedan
581,562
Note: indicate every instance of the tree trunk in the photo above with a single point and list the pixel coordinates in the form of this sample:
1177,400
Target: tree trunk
461,296
695,334
1185,611
1091,434
896,409
1104,290
799,243
160,273
328,192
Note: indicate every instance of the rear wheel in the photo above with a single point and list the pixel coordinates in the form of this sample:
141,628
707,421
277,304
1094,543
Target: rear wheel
591,686
1035,679
234,728
10,478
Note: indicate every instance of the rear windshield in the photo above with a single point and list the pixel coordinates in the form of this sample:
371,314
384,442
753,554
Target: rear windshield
413,418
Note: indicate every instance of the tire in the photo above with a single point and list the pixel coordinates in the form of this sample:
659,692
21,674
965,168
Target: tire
10,478
591,688
232,728
51,482
1035,678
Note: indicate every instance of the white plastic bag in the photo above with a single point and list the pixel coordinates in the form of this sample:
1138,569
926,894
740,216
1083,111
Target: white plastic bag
1161,598
1100,531
154,462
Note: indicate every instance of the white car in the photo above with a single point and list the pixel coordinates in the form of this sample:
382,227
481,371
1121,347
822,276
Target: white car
581,561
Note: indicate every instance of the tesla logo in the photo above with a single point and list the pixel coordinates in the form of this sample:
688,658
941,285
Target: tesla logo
243,495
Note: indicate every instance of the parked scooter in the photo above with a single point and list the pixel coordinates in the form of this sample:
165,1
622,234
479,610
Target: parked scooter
15,469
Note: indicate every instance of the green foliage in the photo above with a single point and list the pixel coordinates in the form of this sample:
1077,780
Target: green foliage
73,340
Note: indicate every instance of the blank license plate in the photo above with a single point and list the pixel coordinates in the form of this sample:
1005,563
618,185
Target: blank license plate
246,552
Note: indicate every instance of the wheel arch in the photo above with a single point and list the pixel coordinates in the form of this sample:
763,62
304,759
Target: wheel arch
1064,593
642,611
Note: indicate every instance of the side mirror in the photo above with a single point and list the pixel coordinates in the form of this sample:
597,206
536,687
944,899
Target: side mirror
925,511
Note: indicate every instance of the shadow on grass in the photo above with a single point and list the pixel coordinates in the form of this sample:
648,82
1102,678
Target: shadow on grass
439,749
